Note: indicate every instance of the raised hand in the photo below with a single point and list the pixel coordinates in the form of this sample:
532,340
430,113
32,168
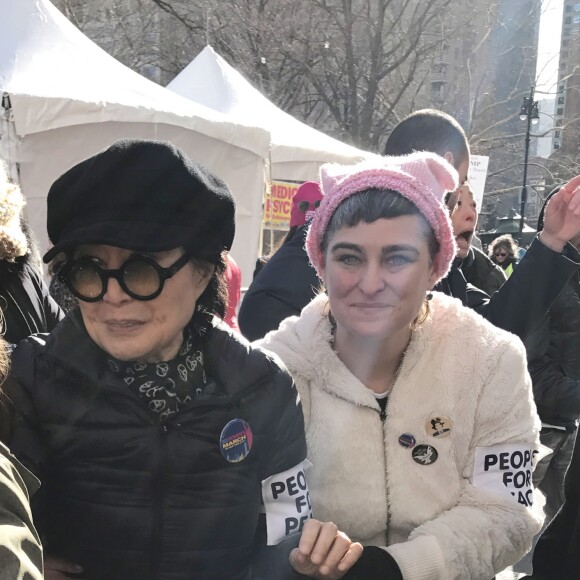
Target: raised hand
562,216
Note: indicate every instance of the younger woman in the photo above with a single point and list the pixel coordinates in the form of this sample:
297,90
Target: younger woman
420,421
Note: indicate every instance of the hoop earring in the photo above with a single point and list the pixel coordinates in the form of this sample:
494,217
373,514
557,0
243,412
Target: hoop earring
332,322
424,312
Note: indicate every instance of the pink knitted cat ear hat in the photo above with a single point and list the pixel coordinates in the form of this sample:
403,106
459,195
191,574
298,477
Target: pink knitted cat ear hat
422,177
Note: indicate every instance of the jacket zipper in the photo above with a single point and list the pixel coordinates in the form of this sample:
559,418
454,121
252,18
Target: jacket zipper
158,494
164,428
383,416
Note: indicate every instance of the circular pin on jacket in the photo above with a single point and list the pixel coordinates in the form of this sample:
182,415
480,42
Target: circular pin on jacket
236,441
425,454
439,427
407,440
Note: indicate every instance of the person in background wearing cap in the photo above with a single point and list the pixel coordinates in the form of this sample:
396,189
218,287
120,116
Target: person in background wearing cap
25,303
154,428
379,359
287,283
521,303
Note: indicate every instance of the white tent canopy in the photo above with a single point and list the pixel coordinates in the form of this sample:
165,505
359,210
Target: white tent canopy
65,99
297,150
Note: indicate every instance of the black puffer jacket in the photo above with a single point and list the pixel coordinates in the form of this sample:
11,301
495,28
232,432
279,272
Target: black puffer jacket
129,497
522,302
480,271
554,359
557,554
282,288
553,352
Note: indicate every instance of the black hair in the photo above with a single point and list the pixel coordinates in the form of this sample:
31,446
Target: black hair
371,205
6,407
214,299
429,130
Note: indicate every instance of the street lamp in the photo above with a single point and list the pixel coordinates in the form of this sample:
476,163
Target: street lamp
530,113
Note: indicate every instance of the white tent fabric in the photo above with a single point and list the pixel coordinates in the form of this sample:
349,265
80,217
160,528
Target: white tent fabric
65,99
297,150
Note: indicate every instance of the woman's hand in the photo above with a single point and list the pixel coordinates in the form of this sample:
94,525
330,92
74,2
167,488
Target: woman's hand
60,569
562,216
324,552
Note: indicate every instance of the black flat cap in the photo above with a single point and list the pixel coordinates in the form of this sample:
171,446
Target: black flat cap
141,195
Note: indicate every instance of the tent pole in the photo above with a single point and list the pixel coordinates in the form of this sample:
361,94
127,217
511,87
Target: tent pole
8,140
207,10
267,193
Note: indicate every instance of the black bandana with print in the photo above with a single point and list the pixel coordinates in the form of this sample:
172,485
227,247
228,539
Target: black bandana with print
165,387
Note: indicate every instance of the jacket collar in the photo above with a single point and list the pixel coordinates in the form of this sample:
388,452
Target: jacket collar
304,344
468,260
228,357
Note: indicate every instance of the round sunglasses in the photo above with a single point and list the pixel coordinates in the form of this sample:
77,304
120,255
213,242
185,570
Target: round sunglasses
140,277
306,205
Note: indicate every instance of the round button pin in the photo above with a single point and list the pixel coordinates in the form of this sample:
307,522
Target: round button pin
236,440
407,440
425,454
439,426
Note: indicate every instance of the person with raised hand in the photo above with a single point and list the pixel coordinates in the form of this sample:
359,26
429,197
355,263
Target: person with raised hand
522,302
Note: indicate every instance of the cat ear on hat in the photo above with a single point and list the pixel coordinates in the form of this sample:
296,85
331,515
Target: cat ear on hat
443,171
331,174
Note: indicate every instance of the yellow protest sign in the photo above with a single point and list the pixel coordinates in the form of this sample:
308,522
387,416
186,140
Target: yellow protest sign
279,204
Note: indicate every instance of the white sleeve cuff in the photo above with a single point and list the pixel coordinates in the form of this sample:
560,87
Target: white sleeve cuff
420,559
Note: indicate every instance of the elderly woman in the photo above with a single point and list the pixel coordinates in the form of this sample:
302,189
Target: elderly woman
154,430
420,422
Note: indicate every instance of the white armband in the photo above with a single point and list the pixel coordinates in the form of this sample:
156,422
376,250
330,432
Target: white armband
286,503
507,469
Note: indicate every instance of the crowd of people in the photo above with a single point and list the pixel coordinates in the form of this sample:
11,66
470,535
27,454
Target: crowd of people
395,404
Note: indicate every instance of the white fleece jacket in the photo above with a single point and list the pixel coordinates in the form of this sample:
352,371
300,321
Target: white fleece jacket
436,523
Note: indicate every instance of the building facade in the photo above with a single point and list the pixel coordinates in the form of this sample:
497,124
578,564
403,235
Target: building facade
567,132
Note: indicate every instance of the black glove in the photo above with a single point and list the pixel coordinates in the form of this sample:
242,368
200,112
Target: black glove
374,564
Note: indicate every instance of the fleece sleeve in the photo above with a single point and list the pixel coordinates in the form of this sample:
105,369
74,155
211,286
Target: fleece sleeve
486,531
277,343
